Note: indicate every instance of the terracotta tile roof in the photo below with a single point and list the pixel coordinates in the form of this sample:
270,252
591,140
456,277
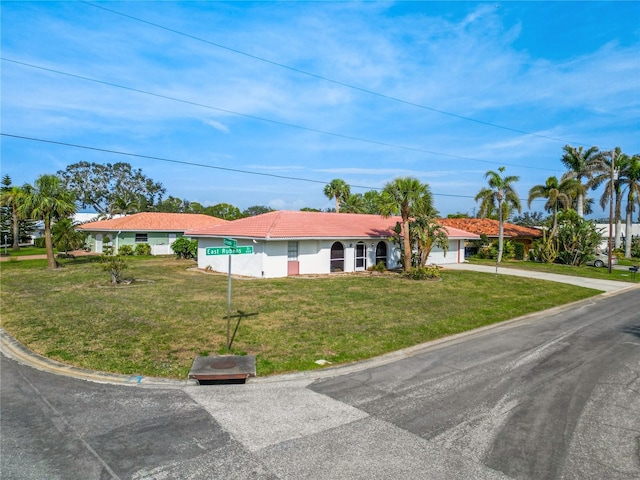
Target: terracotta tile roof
153,221
490,227
291,224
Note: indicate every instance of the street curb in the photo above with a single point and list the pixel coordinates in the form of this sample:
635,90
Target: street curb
14,350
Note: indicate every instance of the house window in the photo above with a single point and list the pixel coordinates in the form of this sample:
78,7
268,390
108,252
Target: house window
337,257
141,238
292,251
381,253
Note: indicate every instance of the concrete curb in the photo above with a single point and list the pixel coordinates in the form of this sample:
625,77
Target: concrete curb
13,349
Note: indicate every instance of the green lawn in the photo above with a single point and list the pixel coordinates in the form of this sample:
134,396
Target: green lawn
620,273
24,251
170,313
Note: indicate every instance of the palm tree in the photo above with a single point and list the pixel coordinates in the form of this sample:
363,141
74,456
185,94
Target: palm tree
499,194
580,164
629,179
557,194
12,197
48,200
409,197
429,233
338,189
604,168
353,203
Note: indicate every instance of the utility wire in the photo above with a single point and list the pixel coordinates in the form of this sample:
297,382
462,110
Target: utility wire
262,119
330,80
194,164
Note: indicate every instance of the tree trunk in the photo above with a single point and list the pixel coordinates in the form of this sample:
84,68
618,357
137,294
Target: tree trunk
48,243
628,237
580,205
500,231
407,246
16,229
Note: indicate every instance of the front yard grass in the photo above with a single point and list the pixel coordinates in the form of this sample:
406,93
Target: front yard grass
619,273
170,313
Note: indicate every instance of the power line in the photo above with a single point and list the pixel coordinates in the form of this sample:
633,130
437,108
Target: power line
194,164
262,119
333,81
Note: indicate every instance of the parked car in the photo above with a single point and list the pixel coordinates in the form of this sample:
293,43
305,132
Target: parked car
601,259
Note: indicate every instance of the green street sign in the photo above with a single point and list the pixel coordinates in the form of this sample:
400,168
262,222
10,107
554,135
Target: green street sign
230,242
229,250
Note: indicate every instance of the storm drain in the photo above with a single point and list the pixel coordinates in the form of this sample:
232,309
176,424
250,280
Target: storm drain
223,370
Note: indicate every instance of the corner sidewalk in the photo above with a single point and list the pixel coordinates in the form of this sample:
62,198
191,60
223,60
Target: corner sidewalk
607,286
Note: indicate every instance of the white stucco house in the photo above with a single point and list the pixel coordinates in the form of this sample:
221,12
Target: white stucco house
288,243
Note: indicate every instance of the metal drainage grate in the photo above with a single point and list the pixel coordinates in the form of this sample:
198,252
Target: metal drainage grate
223,370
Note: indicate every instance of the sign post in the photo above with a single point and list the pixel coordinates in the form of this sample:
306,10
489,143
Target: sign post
230,249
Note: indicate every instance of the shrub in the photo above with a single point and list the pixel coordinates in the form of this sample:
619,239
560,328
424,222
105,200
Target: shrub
378,267
39,242
423,273
125,250
143,249
115,265
185,248
107,250
518,250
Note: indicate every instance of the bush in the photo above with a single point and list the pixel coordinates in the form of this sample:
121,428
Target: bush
378,267
39,242
518,250
143,249
125,250
185,248
423,273
115,265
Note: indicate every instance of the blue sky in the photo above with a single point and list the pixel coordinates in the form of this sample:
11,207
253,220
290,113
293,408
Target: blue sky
362,91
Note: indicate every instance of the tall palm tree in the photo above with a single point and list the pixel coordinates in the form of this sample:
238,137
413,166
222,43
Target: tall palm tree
558,194
629,179
12,197
500,193
580,163
408,197
604,169
338,189
48,200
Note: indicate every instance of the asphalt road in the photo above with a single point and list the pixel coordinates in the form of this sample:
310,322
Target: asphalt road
552,396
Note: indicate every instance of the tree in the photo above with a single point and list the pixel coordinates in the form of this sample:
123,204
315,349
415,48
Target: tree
529,219
172,205
338,189
48,200
580,163
577,239
256,210
429,233
408,197
629,179
12,197
603,170
225,211
557,194
499,194
65,237
353,203
371,201
111,187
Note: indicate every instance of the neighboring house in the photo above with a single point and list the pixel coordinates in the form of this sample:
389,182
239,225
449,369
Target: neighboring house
77,218
159,230
490,228
603,228
302,243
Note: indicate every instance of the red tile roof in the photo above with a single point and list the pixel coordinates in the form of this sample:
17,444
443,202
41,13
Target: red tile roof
153,221
291,224
490,227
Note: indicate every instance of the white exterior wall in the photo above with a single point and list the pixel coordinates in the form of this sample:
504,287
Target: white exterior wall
454,255
270,260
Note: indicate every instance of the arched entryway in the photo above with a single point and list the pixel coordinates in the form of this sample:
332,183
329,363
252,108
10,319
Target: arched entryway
337,257
381,254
